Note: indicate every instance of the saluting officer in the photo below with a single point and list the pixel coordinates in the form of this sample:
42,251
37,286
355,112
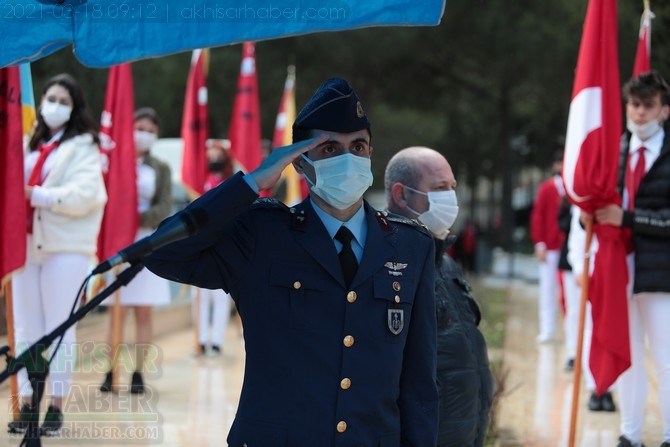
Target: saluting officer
336,298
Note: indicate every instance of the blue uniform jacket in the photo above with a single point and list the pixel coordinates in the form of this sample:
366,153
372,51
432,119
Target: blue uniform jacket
326,365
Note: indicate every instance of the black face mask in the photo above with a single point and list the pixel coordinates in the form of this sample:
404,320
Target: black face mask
215,166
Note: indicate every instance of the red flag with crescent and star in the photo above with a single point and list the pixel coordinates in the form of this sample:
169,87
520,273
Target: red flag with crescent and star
117,145
590,167
12,195
643,53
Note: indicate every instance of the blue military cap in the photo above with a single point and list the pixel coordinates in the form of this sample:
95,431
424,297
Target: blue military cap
334,106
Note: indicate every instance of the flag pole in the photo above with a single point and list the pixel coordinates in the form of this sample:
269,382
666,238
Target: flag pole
13,384
116,335
588,226
196,320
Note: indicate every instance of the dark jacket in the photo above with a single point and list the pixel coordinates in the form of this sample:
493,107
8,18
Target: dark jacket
650,220
464,379
326,364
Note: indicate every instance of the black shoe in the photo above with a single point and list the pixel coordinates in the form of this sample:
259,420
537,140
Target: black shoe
595,404
201,350
25,416
215,350
136,384
570,365
106,386
53,422
624,442
606,402
665,444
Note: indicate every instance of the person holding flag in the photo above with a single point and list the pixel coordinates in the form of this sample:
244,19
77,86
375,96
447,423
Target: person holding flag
65,197
154,193
644,182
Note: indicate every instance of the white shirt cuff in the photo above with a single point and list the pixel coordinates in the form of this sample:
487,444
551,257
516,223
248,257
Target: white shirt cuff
252,183
40,197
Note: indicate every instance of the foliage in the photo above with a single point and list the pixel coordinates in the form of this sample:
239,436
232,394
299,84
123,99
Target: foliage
490,73
493,303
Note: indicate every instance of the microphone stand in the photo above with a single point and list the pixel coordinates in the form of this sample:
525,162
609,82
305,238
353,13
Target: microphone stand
38,367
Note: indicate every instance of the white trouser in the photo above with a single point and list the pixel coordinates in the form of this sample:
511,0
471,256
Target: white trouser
649,315
548,305
572,294
44,292
220,303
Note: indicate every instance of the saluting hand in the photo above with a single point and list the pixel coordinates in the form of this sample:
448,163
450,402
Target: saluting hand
268,173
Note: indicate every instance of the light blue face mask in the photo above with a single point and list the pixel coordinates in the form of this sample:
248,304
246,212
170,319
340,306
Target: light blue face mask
341,180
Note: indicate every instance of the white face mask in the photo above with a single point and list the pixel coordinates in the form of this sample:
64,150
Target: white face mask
341,180
55,114
144,140
441,213
643,131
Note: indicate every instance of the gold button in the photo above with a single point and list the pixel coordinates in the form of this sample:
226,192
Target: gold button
348,341
297,285
341,426
345,383
351,296
397,299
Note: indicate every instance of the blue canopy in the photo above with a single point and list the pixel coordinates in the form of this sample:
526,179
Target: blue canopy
108,32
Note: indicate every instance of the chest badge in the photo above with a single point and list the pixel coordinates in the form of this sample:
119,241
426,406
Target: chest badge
395,268
396,320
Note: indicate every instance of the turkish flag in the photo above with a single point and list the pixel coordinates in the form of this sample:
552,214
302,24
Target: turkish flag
195,126
12,195
121,219
590,167
245,124
643,54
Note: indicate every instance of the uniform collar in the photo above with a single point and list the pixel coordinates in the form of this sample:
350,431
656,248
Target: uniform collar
357,224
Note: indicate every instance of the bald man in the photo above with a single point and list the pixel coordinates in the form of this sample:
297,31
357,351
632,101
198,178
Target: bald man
420,184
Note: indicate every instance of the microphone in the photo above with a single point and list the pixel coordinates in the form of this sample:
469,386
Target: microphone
185,225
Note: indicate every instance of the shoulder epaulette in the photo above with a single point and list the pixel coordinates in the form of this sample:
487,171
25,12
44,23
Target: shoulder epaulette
268,202
405,221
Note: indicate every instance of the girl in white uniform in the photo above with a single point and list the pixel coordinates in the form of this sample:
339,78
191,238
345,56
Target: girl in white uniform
65,195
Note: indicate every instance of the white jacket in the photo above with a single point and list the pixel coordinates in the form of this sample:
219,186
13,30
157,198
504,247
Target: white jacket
77,189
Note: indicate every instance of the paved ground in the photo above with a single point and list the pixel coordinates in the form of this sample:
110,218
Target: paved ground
191,400
537,406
